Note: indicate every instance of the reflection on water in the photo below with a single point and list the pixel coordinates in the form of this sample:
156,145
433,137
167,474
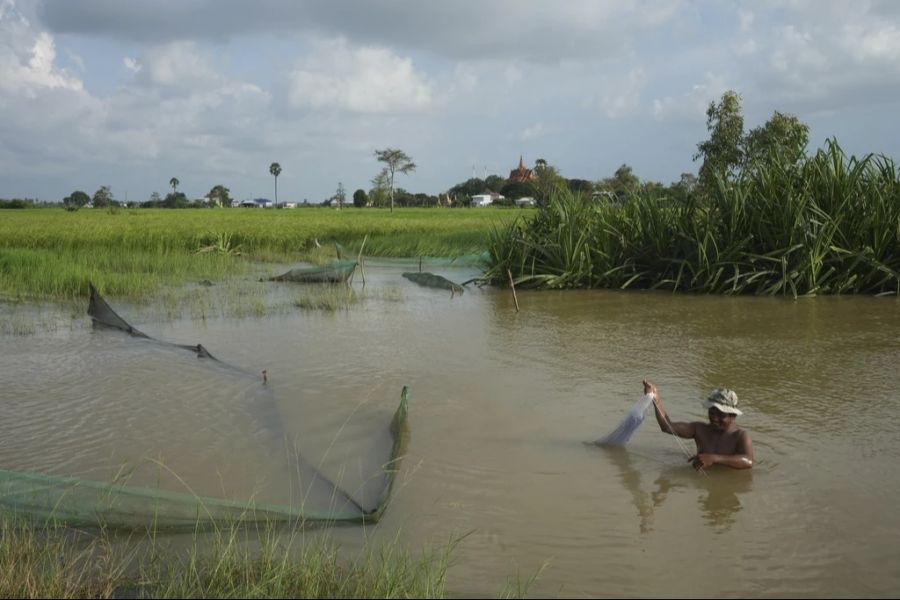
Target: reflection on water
500,403
718,491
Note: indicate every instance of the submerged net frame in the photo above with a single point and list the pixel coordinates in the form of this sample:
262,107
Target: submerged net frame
49,500
478,259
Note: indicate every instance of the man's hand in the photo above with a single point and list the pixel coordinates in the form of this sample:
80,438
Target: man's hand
702,461
649,388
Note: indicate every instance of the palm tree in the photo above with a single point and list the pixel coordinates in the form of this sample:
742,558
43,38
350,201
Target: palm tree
275,169
174,183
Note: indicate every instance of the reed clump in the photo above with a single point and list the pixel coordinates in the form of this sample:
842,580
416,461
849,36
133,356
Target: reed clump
827,225
233,562
328,297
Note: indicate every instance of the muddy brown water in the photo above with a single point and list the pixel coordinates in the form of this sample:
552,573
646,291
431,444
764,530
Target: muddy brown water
500,403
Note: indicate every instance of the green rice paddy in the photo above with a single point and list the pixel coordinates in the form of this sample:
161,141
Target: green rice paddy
52,254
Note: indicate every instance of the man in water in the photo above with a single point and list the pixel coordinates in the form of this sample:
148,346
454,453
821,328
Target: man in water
721,441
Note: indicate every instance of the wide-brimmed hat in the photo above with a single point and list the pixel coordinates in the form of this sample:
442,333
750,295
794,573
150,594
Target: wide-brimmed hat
723,399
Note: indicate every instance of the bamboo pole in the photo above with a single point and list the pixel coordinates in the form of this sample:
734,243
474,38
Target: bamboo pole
359,260
512,286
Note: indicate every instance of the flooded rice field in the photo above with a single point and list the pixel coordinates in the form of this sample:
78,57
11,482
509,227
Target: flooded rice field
500,405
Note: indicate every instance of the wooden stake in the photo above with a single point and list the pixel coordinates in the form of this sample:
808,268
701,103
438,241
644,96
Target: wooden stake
359,260
512,286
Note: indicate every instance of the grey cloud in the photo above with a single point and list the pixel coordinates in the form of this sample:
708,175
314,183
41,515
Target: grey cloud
463,29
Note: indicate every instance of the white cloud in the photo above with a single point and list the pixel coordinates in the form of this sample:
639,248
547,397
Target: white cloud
691,105
177,66
623,96
359,80
746,18
35,69
878,43
131,64
533,132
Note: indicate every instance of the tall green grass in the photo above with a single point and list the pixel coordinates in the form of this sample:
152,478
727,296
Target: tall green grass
54,253
829,225
234,562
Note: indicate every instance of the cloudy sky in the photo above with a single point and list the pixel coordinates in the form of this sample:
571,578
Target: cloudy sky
130,94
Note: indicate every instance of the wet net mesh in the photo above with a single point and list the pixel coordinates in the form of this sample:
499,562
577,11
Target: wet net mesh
46,499
620,435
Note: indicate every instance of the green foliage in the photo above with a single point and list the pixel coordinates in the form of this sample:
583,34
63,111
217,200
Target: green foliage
219,194
175,200
380,194
262,562
518,189
782,138
397,161
547,180
360,198
494,183
582,186
219,243
830,225
275,171
76,200
723,152
624,181
469,187
103,197
174,183
16,203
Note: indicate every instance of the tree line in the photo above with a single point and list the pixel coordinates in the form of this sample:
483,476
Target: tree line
728,151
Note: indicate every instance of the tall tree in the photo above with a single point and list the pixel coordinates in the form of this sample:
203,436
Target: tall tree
380,193
219,195
783,136
397,161
723,152
470,187
275,170
75,200
174,183
359,198
103,197
622,182
340,196
494,182
547,180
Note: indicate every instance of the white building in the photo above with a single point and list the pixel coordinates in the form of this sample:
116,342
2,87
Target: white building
486,199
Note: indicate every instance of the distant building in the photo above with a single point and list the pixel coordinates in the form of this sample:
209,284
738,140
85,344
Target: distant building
526,201
485,199
521,173
289,204
257,203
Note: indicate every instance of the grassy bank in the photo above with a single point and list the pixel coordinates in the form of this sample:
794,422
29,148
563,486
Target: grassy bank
53,253
829,225
232,563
